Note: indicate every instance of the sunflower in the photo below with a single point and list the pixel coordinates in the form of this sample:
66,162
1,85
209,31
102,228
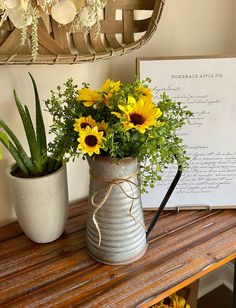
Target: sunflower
131,101
178,302
139,114
144,91
84,122
88,96
102,127
174,301
161,305
90,141
110,86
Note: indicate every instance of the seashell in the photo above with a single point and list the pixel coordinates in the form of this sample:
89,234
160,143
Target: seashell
63,11
10,4
16,16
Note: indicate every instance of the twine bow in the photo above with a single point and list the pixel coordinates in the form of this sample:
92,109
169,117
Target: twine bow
107,190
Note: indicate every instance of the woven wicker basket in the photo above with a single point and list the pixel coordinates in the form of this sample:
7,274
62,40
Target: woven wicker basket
121,32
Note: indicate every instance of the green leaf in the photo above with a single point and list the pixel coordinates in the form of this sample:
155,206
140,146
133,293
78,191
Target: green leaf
19,147
33,143
5,141
30,134
40,128
12,149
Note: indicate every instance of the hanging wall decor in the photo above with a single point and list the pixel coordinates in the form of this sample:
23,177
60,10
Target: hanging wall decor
74,31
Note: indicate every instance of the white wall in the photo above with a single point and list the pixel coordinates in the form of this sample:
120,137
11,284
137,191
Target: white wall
187,27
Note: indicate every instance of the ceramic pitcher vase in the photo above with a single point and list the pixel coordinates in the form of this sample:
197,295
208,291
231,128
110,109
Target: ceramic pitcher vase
115,228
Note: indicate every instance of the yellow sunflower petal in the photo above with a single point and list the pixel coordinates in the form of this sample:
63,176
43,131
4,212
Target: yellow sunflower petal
128,125
110,86
90,141
131,100
117,114
83,122
88,103
126,109
122,108
140,103
106,86
144,91
116,86
102,126
178,301
89,96
76,127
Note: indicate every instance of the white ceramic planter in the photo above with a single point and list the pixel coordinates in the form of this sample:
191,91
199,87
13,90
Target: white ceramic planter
41,204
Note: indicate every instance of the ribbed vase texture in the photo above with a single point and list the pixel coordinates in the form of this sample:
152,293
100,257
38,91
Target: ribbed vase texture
120,219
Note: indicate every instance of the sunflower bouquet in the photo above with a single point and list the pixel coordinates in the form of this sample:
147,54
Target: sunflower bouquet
118,120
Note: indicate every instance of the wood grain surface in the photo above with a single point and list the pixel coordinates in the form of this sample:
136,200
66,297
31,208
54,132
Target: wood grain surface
182,248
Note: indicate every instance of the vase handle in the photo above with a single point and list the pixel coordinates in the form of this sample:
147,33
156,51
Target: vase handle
165,200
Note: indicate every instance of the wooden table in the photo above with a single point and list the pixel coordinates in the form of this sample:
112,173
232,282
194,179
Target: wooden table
183,247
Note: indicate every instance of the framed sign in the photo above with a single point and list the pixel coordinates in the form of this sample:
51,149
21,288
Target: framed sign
207,86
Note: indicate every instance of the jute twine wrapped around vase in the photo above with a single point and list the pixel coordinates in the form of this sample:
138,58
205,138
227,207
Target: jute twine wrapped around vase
115,228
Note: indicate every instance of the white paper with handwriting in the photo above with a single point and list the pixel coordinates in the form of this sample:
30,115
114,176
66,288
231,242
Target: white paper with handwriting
208,88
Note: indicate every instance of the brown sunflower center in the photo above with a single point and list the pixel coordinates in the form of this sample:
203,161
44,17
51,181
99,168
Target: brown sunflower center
137,119
91,140
84,125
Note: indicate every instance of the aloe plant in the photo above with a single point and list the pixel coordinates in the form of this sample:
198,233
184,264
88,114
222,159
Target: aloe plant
38,162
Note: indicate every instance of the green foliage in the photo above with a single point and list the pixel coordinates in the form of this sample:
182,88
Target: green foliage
156,147
5,141
38,163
